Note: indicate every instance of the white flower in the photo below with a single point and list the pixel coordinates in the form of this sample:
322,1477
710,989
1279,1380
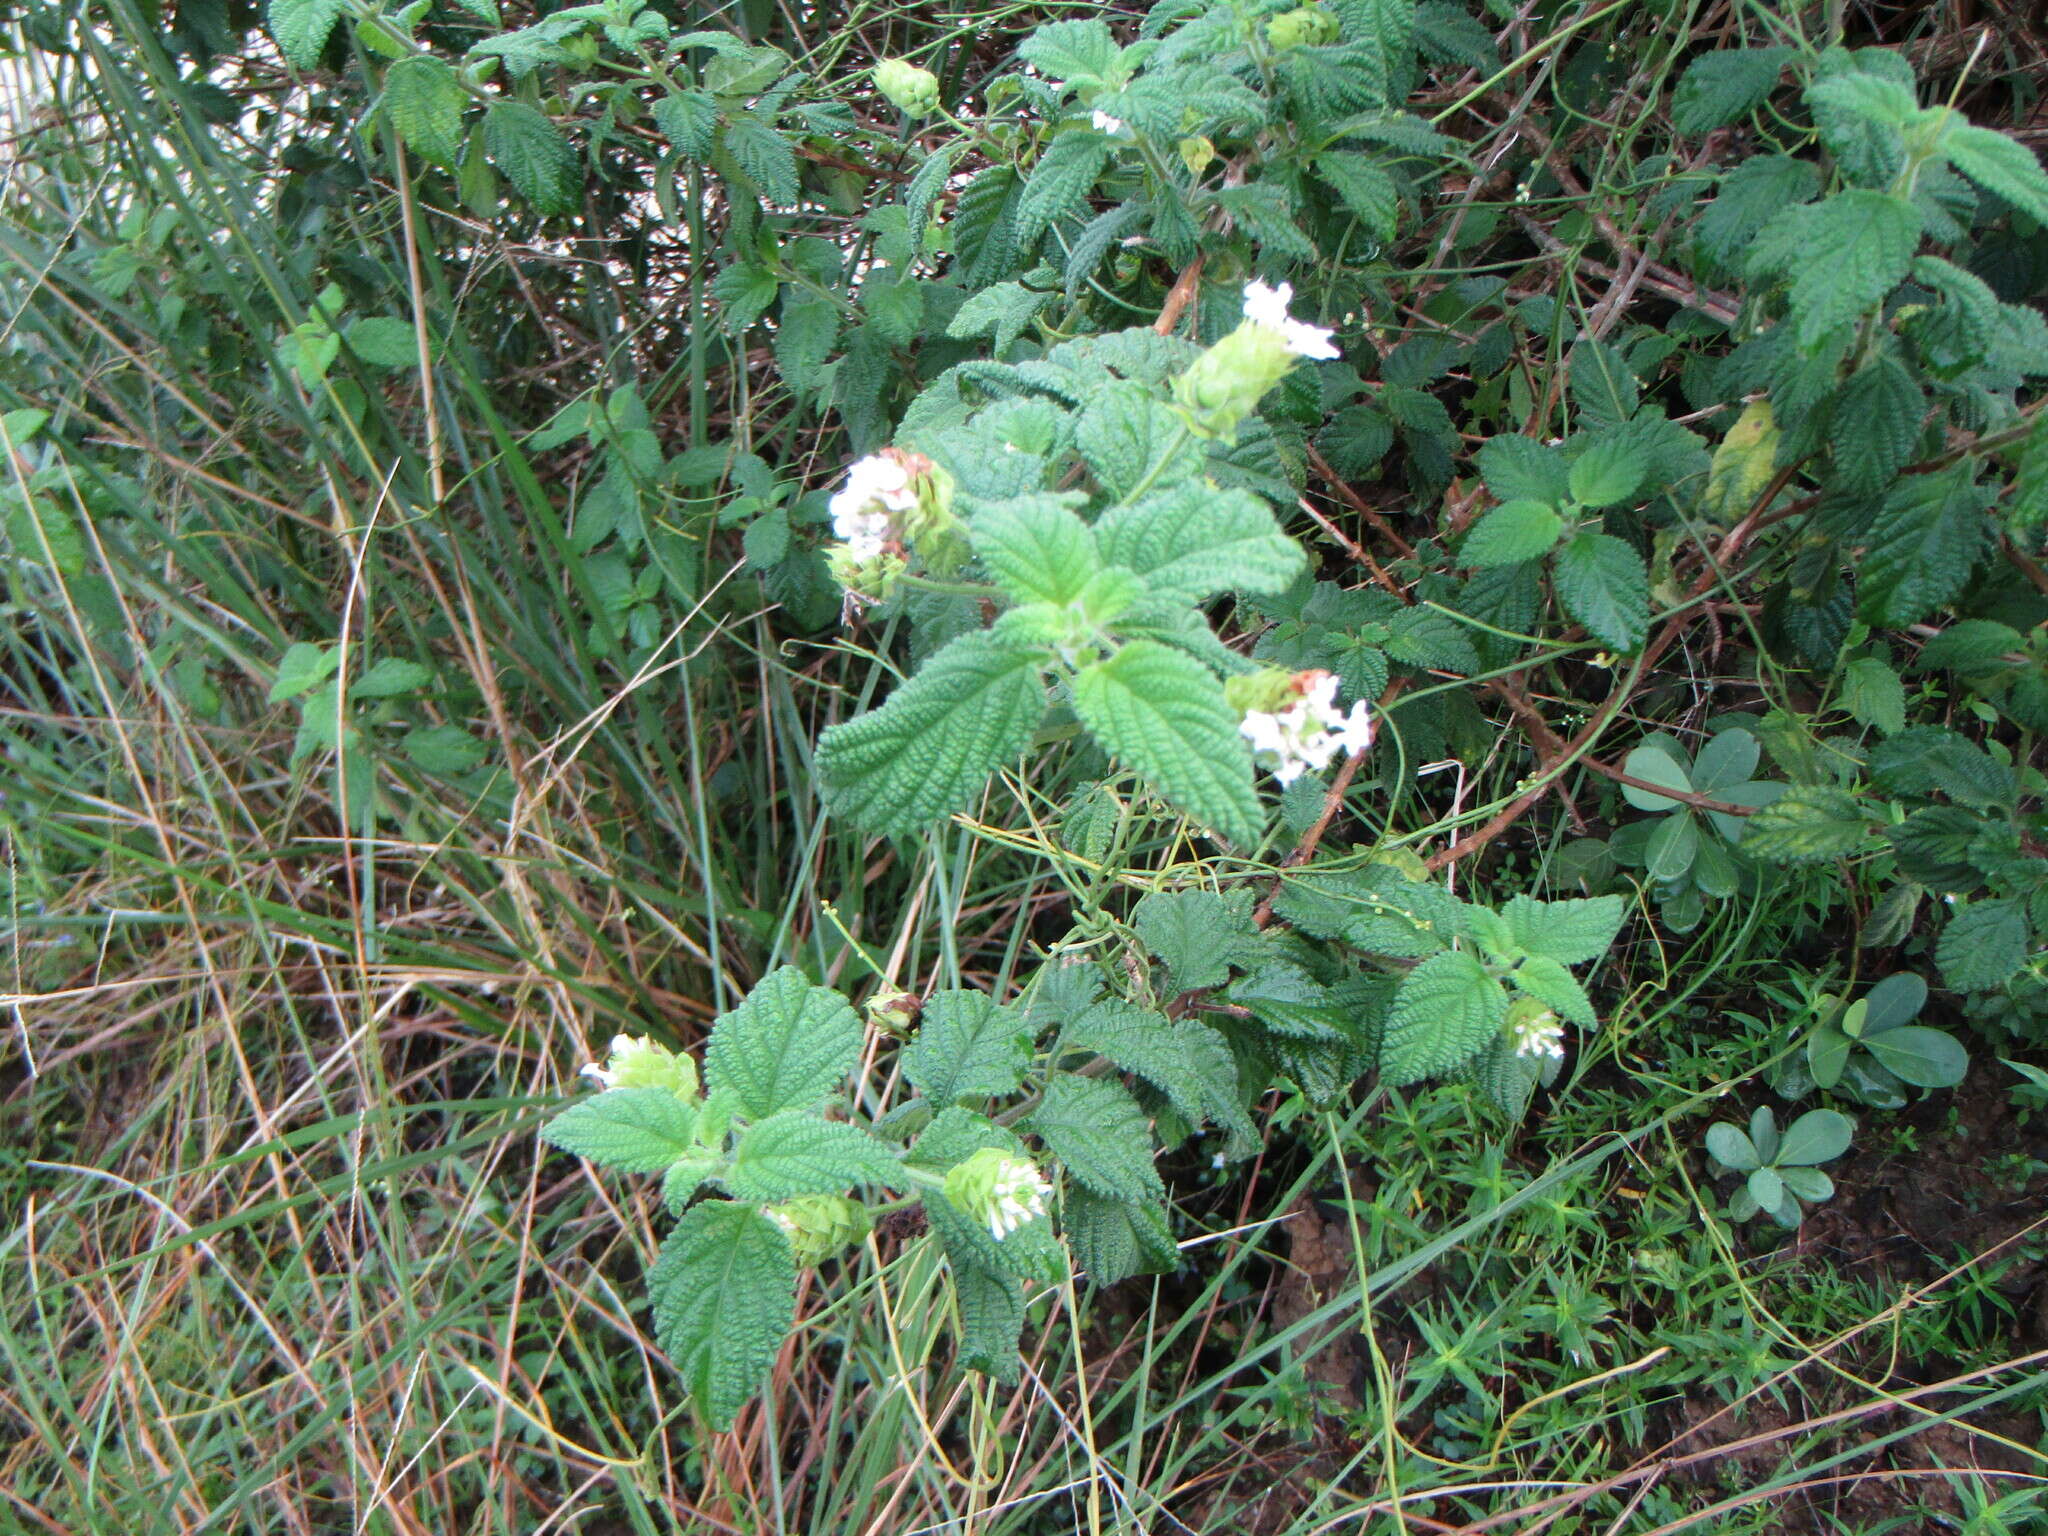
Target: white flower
1540,1034
1104,123
863,510
623,1047
1267,306
1017,1198
1311,731
782,1219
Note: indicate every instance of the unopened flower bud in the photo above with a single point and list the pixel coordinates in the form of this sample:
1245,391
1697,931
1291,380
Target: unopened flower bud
911,90
1195,153
637,1062
1225,384
819,1226
1000,1189
893,1012
1306,26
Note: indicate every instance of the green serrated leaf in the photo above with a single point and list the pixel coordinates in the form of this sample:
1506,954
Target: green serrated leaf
1512,532
534,156
639,1130
302,28
788,1045
2000,165
1194,541
724,1293
390,677
1922,547
928,752
1096,1129
1718,88
1129,439
1873,693
1809,823
967,1047
795,1153
1037,550
1366,188
1571,932
1873,425
1555,988
688,120
1984,944
1059,183
765,156
1447,1009
1192,933
1115,1239
1163,713
1842,256
1603,585
425,101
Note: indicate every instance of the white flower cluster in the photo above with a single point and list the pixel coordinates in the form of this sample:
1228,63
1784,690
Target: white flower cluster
1309,732
864,509
1540,1034
1267,306
1104,123
1017,1198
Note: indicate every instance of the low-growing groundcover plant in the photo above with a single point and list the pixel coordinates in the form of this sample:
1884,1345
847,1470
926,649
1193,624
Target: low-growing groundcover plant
1188,684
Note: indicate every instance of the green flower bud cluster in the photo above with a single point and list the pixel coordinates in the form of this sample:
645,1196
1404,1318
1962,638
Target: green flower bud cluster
1000,1189
1225,384
638,1062
1306,26
820,1226
911,90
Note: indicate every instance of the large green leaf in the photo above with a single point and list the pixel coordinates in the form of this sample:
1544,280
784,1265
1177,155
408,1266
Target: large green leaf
1447,1009
929,750
640,1130
1841,256
424,100
967,1047
2003,165
796,1153
1035,547
724,1291
1193,933
1604,586
534,156
1097,1130
788,1045
1162,713
1983,944
1512,532
1923,546
302,28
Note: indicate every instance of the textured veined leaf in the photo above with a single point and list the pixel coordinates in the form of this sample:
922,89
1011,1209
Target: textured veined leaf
639,1130
1162,712
1842,255
795,1153
724,1292
1519,468
765,156
534,156
1147,1045
1383,35
1288,1001
1608,471
1194,541
1073,51
1604,586
1873,424
788,1045
2000,165
1035,547
1059,182
1923,546
1970,645
1447,1009
1115,1239
967,1047
1807,824
1983,944
991,1319
1749,197
1096,1129
302,28
1512,532
1718,88
1572,932
1366,189
688,120
1555,988
1193,933
424,100
1265,211
1873,693
929,750
1001,311
1129,439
